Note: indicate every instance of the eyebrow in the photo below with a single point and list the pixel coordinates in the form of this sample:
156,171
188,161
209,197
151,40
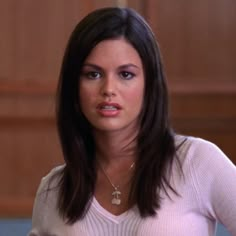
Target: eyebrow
125,66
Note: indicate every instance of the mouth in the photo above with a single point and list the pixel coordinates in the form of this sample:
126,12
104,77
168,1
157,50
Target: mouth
109,106
108,109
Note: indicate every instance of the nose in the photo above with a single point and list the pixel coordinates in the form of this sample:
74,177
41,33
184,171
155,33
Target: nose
108,87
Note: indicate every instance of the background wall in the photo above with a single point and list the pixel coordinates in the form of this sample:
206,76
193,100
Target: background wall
197,39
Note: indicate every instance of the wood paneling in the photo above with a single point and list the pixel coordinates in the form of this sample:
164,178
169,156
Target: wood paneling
197,39
33,39
29,148
208,115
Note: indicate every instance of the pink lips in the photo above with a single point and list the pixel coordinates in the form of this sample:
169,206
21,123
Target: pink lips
108,109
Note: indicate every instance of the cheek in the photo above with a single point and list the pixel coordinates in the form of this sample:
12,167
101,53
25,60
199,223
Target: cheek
135,97
87,91
86,98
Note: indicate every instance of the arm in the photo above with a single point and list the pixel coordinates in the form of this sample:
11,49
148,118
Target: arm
37,217
215,180
45,218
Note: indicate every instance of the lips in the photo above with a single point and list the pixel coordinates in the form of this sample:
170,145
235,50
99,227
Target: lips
108,109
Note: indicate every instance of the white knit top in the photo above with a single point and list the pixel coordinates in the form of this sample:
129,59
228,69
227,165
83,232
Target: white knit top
207,195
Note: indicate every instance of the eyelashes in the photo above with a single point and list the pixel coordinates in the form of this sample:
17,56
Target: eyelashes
94,75
127,75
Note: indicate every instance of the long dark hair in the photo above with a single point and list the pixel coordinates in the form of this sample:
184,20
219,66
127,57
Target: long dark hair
156,149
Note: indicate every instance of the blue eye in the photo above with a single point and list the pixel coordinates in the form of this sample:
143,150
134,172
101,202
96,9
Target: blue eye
127,75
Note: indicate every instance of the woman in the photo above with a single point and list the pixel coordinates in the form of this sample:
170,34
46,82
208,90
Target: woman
126,172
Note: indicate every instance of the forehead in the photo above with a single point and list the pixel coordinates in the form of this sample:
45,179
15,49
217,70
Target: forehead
114,49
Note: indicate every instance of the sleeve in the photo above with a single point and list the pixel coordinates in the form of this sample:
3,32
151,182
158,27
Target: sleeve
215,178
45,217
38,209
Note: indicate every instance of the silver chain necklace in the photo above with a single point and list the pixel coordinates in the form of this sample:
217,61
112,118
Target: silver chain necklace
116,200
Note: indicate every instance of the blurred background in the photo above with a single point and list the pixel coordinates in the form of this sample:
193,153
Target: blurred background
198,43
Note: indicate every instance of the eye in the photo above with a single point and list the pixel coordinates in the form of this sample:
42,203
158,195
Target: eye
92,75
127,75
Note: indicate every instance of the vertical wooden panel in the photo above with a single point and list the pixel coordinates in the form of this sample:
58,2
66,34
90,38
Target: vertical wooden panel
197,39
34,35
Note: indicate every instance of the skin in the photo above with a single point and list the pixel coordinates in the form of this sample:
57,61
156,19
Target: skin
113,72
111,98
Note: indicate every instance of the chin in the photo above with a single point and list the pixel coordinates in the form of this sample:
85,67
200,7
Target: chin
116,127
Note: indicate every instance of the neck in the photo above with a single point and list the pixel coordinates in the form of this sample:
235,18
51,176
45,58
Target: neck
114,147
115,155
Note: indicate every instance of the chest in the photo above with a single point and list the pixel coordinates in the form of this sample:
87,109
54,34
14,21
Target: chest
172,219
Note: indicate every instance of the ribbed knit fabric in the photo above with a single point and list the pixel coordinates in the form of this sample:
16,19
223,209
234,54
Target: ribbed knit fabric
207,194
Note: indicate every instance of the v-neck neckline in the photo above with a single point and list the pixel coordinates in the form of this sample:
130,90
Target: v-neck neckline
108,215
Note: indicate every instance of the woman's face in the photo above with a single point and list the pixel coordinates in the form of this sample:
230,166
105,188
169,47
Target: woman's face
112,86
